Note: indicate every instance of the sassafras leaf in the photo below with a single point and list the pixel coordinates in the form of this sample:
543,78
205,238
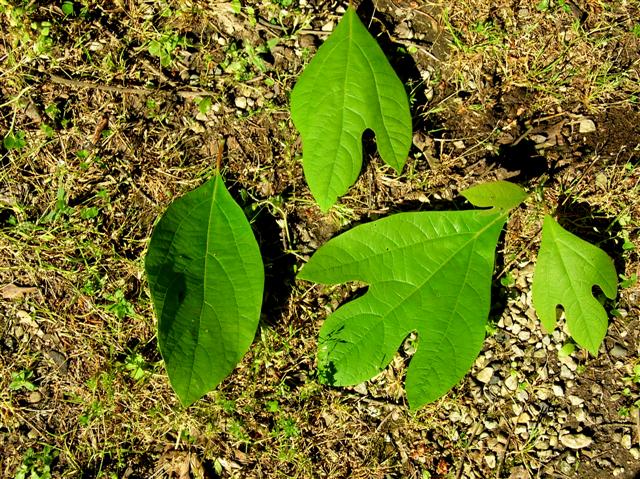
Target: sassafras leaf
347,88
567,270
428,273
206,279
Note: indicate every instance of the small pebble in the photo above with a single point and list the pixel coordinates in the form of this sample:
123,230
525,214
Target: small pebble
35,397
580,415
575,400
241,102
328,27
565,372
587,126
542,394
557,390
618,351
485,375
490,425
511,382
490,459
576,441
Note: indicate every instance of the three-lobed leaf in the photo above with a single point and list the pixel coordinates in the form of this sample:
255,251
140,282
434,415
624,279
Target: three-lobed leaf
567,270
206,279
347,88
428,273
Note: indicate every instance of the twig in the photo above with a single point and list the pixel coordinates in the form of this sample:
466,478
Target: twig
100,127
127,90
219,158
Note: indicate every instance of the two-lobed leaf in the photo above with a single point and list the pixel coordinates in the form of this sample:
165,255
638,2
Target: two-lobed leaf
347,88
567,270
428,273
206,279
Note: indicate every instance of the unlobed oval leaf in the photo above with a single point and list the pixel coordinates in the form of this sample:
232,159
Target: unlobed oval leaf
206,279
501,195
567,270
347,88
428,273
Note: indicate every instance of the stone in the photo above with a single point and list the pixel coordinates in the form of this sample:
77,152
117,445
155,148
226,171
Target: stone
575,441
542,394
328,27
575,400
569,363
618,351
586,126
36,396
490,459
519,472
581,415
565,372
241,102
557,390
626,441
511,382
485,375
490,425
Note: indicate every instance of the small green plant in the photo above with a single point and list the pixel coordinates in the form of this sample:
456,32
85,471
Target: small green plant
37,465
14,140
164,47
136,366
68,8
22,380
119,306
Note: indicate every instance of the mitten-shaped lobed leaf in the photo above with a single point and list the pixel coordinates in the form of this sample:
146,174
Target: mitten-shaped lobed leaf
567,270
206,279
428,273
348,87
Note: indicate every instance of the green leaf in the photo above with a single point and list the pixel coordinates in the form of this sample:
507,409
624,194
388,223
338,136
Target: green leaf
500,195
347,88
206,279
567,269
428,273
14,141
67,8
